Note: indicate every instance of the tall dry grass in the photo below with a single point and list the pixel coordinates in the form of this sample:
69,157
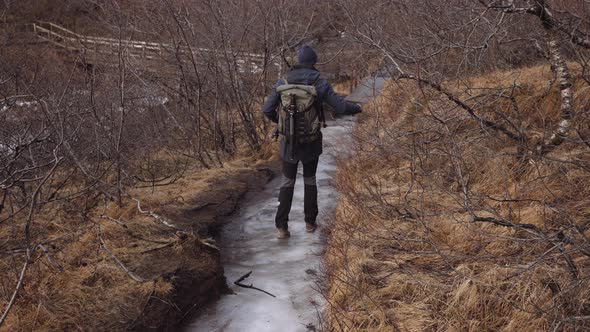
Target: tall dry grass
446,225
76,283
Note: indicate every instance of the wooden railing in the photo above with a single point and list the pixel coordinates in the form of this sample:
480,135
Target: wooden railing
70,40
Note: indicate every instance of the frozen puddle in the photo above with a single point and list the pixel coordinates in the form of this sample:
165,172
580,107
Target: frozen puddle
284,268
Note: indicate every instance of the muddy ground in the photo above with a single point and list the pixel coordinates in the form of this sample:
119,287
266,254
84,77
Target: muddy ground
199,279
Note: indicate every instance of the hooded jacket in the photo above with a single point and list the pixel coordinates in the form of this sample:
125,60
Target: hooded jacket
302,74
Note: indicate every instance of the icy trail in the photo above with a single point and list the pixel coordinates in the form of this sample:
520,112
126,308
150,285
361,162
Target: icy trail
285,268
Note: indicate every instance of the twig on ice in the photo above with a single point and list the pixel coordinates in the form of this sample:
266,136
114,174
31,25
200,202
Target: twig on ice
246,276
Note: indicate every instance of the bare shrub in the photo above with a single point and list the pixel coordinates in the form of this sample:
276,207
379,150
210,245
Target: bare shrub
466,197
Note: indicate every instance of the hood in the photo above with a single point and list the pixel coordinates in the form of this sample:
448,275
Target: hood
302,75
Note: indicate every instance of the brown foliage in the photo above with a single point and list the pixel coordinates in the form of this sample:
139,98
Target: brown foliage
85,131
446,225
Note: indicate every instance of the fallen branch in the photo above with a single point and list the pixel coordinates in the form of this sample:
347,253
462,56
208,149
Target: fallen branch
246,276
154,215
121,265
573,268
210,243
129,232
49,258
507,224
158,248
17,288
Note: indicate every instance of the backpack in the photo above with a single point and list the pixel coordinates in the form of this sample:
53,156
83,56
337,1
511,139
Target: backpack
301,115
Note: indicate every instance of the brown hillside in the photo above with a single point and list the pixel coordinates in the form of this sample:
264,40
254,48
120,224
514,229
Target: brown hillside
456,226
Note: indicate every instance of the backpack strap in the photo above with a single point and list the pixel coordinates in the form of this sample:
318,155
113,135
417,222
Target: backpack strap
316,81
320,106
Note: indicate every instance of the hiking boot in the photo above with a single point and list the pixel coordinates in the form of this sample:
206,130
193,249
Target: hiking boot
283,233
310,228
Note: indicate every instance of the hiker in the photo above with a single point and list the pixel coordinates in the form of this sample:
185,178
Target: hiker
296,104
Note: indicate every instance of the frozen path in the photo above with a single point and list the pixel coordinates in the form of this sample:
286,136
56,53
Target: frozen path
285,268
369,88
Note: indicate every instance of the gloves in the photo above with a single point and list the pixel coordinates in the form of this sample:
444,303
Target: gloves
356,109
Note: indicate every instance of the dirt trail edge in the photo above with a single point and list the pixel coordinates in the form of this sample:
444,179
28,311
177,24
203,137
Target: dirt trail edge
287,269
195,270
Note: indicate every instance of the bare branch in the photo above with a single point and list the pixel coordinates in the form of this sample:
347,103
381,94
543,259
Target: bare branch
463,105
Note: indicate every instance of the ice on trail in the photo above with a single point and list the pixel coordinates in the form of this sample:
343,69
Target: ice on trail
285,268
369,88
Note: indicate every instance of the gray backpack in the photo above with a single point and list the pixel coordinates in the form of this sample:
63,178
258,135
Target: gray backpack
301,114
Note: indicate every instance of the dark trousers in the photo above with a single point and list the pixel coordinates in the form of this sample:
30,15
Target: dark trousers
310,200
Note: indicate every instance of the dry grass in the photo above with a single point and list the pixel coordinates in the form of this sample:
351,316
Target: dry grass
79,286
405,251
344,88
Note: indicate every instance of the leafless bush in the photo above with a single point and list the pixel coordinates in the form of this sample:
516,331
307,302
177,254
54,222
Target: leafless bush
466,196
84,127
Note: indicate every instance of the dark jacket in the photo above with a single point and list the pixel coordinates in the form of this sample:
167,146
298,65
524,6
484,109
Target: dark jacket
306,75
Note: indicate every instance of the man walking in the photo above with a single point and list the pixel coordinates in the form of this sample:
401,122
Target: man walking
299,126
